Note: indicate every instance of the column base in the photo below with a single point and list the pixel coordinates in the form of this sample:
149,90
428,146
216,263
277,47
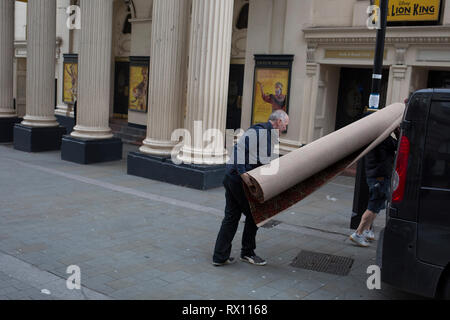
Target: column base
66,122
37,139
200,177
7,129
87,151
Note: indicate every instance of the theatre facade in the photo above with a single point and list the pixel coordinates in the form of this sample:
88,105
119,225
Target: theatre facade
181,72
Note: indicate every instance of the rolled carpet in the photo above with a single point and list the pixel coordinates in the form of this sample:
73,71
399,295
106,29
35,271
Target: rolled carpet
289,179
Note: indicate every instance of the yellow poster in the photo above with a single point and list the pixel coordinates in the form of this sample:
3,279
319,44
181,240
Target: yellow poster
70,82
271,92
138,88
413,10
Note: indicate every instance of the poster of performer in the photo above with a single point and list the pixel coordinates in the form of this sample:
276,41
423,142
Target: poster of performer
271,87
70,79
139,72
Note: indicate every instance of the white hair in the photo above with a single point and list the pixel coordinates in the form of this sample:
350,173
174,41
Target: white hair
279,114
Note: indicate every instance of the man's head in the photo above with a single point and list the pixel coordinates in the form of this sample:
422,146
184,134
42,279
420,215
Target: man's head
279,120
278,88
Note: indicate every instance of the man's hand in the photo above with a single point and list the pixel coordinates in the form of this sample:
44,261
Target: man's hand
246,179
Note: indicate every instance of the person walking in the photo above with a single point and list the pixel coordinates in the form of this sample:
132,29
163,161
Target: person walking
246,157
378,168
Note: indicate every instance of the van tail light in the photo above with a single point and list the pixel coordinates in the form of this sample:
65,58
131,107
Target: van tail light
399,180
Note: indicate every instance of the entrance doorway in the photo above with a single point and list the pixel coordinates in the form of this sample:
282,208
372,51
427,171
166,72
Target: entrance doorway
121,89
235,91
438,79
354,92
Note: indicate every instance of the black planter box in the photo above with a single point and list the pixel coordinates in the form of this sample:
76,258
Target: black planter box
86,151
7,129
35,139
66,122
200,177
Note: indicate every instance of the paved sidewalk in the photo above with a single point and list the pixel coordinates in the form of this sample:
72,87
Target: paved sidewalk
135,238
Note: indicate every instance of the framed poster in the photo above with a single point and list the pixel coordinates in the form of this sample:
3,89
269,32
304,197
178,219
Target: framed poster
271,87
139,73
70,78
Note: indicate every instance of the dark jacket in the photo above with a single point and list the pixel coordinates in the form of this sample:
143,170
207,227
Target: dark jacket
379,161
251,150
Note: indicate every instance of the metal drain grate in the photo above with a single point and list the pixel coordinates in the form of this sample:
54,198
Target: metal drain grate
323,263
270,224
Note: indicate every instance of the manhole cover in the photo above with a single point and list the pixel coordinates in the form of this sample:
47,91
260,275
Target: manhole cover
270,224
323,263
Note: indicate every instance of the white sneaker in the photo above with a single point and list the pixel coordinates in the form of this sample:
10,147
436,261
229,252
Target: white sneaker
369,235
359,240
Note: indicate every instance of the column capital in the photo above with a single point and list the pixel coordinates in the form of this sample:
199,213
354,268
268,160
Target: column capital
311,52
400,51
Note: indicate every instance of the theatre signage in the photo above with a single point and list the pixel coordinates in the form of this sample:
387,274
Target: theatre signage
413,10
350,54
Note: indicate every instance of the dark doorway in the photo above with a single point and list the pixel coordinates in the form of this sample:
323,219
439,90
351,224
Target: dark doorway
121,89
438,79
354,92
235,90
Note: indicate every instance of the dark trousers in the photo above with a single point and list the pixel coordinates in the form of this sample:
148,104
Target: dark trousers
236,204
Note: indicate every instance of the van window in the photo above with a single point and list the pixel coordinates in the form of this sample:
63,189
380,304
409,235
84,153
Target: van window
418,107
436,168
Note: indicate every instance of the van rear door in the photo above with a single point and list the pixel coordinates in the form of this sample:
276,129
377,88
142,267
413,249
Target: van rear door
433,234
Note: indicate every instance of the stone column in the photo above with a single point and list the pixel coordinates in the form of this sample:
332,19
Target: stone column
309,102
6,59
91,140
208,75
168,68
399,77
8,116
41,55
94,70
39,130
399,84
62,31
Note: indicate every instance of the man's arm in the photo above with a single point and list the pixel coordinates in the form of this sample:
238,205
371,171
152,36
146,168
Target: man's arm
247,151
241,155
264,96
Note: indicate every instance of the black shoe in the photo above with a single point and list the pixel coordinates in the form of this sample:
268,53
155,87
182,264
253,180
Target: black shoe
257,261
230,260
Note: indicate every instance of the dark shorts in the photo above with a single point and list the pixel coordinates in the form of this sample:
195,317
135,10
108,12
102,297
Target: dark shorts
378,193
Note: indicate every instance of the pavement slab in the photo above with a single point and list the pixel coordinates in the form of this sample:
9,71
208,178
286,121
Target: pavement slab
135,238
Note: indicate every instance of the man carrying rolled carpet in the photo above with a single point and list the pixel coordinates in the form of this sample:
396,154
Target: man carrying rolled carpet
378,166
246,157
